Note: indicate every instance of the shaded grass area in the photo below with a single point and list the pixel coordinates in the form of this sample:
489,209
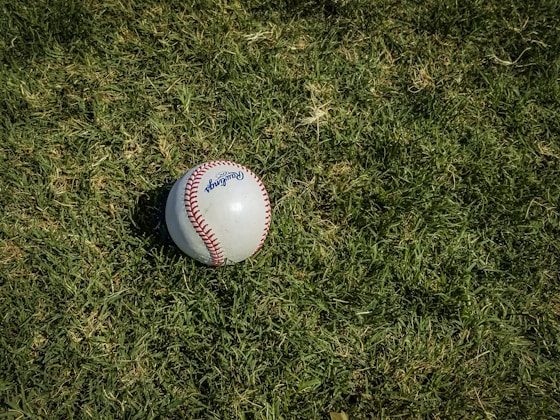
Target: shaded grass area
412,156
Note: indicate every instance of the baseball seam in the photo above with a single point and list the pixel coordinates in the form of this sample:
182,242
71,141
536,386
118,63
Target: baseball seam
268,212
195,216
197,220
268,209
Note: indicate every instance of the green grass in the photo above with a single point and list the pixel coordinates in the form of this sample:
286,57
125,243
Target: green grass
411,151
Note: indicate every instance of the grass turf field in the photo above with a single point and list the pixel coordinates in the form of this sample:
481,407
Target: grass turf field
411,151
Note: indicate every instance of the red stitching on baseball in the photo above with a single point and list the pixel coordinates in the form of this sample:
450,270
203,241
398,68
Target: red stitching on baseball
196,218
268,211
193,212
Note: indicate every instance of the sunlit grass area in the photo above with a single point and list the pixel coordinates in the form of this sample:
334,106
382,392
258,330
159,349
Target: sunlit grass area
411,151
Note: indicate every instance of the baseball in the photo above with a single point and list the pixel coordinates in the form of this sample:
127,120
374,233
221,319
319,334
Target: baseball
218,213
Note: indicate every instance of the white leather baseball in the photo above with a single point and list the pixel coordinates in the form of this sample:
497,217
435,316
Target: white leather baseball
218,213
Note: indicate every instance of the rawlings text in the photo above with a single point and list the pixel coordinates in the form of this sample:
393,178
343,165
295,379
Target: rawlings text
222,179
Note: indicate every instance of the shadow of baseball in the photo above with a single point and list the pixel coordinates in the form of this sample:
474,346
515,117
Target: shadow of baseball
148,217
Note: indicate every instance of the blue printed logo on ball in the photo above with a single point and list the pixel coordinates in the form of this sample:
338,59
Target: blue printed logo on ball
222,179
